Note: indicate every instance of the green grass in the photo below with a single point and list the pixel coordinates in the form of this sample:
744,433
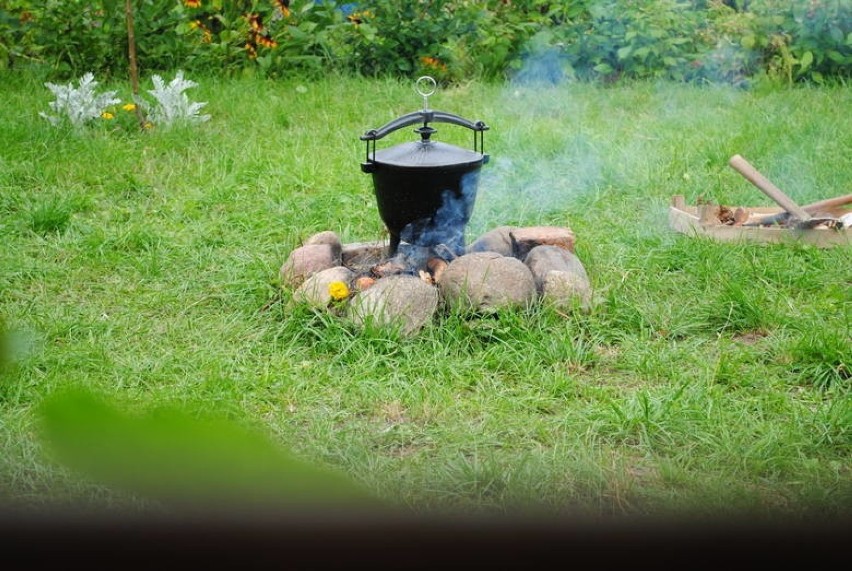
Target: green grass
709,378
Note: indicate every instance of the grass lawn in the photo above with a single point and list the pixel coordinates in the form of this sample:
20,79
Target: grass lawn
709,378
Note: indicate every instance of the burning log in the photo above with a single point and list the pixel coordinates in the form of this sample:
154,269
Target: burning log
362,254
436,267
389,267
362,283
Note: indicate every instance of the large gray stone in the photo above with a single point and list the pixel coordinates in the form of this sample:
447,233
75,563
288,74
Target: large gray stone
498,240
559,276
329,238
314,290
487,281
305,261
402,301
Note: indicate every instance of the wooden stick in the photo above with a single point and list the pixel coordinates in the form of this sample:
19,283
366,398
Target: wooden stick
131,55
751,174
815,207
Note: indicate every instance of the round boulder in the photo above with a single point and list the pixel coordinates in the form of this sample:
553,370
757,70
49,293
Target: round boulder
559,276
487,281
498,240
307,260
315,291
328,238
402,301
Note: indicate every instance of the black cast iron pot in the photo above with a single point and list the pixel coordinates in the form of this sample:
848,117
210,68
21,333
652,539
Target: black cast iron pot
425,190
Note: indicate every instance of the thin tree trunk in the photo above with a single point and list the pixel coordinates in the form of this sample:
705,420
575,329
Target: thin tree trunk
131,53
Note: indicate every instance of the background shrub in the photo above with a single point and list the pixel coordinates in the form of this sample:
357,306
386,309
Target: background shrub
453,40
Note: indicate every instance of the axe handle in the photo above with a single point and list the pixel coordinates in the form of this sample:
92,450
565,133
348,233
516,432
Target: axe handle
751,174
815,207
821,207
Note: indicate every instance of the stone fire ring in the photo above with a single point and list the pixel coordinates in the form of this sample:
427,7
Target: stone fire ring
505,267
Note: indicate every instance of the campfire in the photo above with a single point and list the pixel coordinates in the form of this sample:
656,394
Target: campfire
425,191
505,267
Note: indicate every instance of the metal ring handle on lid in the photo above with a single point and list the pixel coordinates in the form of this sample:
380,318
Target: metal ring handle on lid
425,86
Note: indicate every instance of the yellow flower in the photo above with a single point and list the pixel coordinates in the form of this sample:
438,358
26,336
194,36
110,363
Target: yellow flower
129,107
147,125
338,290
107,115
192,3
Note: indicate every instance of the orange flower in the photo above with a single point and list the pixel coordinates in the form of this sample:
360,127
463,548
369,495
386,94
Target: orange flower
192,3
267,42
434,63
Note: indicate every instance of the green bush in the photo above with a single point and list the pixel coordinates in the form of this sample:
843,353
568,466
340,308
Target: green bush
273,37
452,40
406,38
709,40
76,36
808,40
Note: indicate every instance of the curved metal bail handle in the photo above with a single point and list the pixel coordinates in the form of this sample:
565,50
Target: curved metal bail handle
425,117
425,86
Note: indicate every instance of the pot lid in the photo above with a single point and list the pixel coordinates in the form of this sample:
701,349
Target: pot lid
426,154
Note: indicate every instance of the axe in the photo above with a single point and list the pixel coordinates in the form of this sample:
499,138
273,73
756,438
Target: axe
800,217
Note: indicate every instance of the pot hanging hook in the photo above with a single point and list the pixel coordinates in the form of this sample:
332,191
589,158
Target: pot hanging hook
425,86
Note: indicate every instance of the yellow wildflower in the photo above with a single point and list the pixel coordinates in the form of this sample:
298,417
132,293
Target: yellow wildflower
107,115
338,290
358,18
129,107
147,125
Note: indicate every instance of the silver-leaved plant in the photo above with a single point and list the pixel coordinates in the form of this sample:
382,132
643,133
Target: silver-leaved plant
78,105
171,104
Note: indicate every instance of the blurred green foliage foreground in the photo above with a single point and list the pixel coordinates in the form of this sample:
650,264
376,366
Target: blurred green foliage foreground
181,461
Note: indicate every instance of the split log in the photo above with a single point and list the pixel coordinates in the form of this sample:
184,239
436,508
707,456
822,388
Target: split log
525,239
